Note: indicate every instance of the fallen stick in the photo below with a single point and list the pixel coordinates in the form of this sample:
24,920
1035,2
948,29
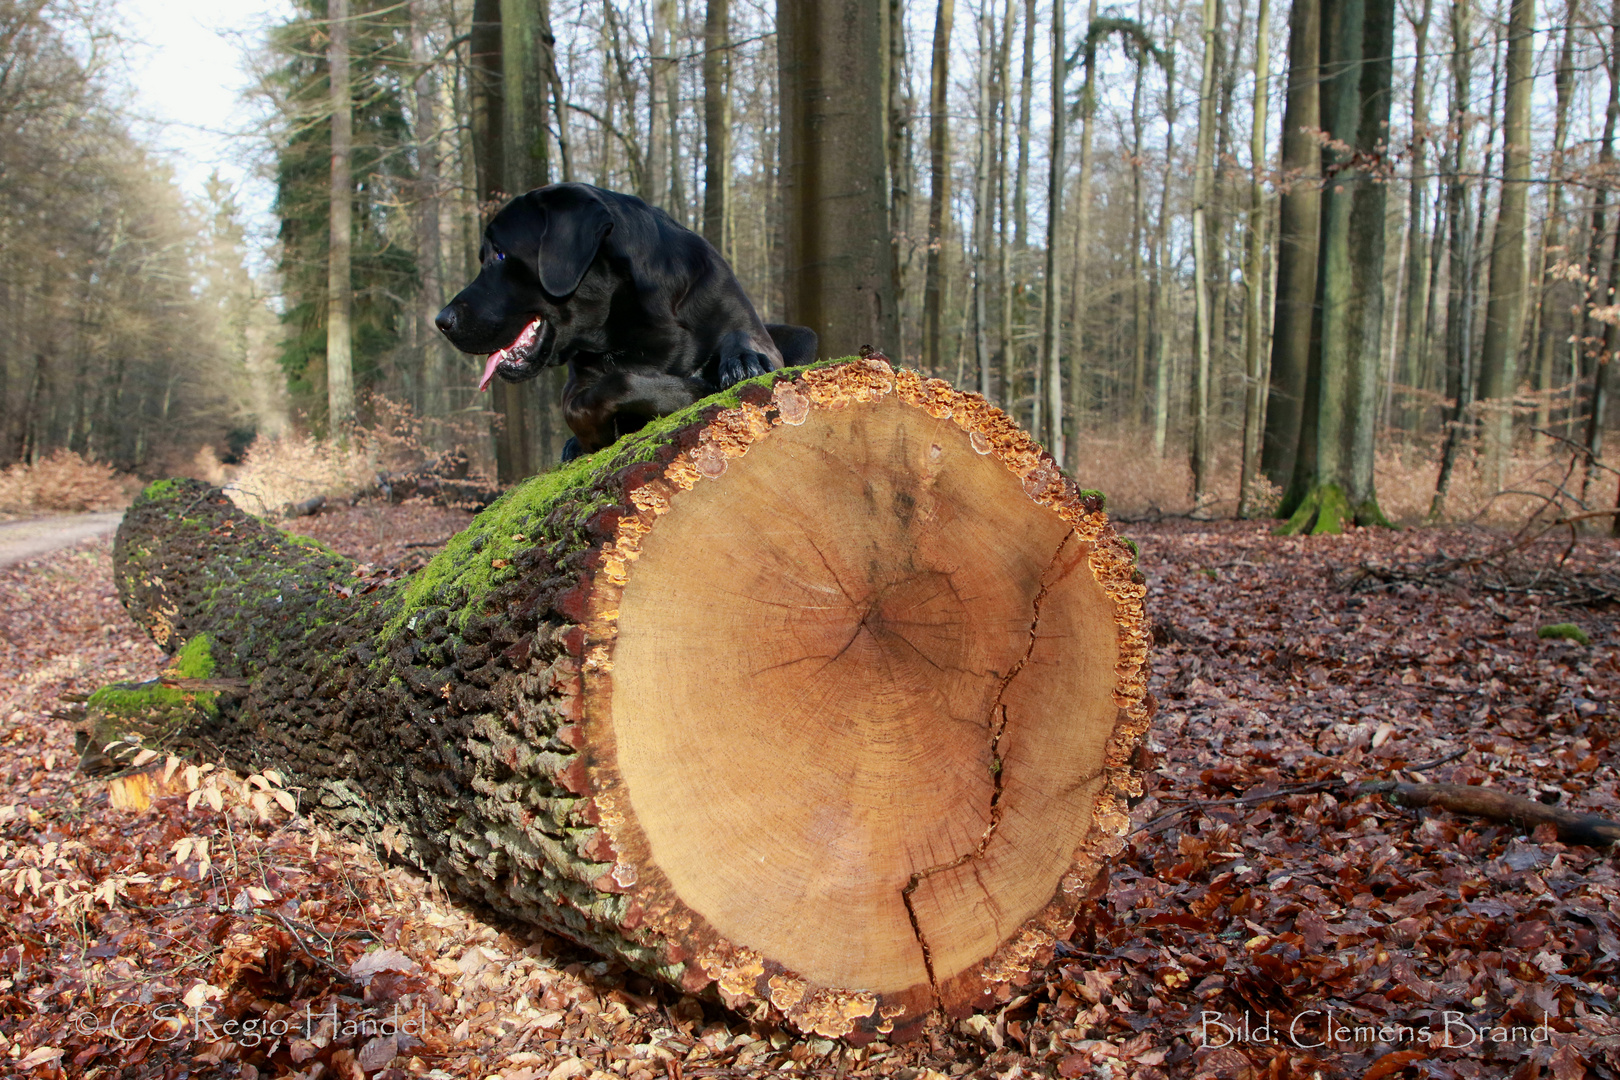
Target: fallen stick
1497,805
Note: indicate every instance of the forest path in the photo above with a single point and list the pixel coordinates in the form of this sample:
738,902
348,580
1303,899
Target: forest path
20,540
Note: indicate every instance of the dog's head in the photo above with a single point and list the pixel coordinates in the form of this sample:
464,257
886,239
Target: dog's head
535,254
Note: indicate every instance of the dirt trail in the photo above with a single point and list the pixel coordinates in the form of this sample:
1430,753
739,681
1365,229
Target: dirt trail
20,540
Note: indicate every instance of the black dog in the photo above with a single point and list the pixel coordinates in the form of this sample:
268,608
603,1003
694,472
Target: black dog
645,313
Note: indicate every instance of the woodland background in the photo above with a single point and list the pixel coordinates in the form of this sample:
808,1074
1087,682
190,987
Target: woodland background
1355,245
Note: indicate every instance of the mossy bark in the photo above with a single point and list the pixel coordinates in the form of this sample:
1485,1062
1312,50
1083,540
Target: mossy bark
1326,511
452,712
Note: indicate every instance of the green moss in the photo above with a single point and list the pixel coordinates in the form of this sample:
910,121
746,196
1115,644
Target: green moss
195,659
1564,631
1369,513
311,543
136,701
466,568
1323,512
1092,493
160,489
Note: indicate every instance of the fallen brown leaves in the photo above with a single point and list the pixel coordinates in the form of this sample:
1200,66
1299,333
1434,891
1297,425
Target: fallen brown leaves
1249,929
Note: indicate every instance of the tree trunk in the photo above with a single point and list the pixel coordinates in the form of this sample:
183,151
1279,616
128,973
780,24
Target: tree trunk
524,444
901,246
1504,315
983,208
429,245
833,776
1337,488
1415,339
1460,271
1203,190
938,185
1082,232
1004,267
1603,337
339,284
1020,198
716,122
525,80
1026,93
655,188
1254,271
1052,324
838,277
1160,298
1299,222
1552,324
1139,283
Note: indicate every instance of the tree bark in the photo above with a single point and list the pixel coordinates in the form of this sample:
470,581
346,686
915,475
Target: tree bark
1026,93
983,208
901,178
1203,189
1254,271
1552,324
716,123
938,185
1139,283
850,775
1605,337
1415,336
1161,299
838,276
659,150
1298,236
1052,324
339,283
429,245
1504,313
1004,266
523,446
1337,487
1461,261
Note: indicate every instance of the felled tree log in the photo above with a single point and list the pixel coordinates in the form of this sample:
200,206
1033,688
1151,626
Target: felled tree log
443,480
819,696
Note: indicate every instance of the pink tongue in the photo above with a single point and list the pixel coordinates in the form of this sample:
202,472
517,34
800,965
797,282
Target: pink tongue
494,362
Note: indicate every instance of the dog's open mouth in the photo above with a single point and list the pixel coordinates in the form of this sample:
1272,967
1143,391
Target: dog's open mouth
516,357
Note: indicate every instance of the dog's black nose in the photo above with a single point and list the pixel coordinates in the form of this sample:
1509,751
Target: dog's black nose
446,319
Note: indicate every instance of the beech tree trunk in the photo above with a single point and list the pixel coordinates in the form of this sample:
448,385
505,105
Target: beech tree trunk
1057,172
339,285
435,350
1203,189
819,697
1299,226
716,123
1254,272
838,274
939,134
1504,313
1415,335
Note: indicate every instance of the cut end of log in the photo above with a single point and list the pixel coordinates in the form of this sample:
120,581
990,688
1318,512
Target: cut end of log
863,675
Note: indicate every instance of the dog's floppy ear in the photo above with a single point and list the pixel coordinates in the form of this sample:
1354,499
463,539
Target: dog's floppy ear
574,222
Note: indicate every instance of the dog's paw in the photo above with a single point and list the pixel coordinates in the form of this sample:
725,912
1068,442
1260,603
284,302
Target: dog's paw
744,365
571,450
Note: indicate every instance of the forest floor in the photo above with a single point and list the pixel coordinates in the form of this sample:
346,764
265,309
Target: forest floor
1262,920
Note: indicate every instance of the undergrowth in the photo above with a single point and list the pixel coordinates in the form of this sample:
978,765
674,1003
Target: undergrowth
62,482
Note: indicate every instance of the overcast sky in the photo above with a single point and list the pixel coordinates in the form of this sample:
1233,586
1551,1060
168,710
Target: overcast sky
187,66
